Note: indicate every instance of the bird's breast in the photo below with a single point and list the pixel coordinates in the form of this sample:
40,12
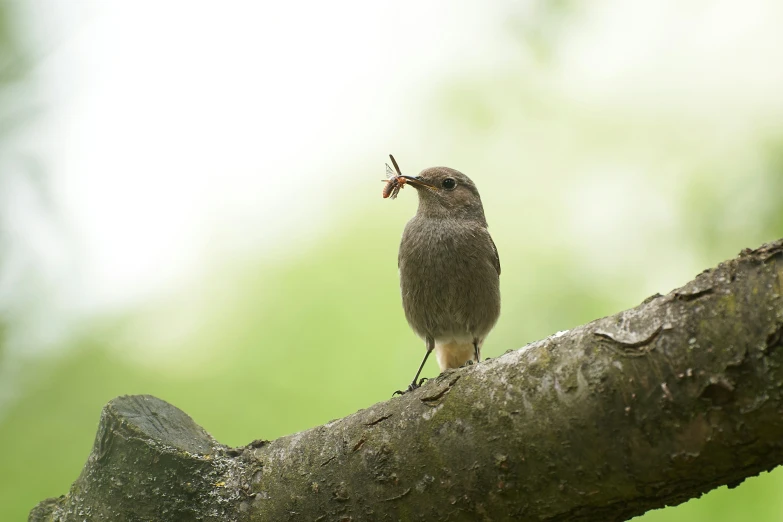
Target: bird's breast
448,280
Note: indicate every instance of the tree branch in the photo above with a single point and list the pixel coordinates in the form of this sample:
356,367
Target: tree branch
646,408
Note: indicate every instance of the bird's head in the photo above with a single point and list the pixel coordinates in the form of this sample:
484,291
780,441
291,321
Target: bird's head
445,192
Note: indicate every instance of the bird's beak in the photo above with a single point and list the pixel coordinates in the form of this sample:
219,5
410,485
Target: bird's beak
417,183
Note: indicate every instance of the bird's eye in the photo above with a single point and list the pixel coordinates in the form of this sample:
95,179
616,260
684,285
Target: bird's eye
449,183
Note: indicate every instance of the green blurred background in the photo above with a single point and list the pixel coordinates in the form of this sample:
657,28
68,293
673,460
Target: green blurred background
190,204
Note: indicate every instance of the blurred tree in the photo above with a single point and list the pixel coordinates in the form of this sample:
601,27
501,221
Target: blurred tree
12,72
16,109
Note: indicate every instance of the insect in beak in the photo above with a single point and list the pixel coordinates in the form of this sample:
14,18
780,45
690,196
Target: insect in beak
395,181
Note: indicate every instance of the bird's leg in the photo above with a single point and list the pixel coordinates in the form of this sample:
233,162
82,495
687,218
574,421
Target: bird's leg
413,385
476,354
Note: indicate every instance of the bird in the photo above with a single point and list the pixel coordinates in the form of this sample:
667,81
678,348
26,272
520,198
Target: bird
449,270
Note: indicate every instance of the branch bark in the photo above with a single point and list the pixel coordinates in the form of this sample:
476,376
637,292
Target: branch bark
646,408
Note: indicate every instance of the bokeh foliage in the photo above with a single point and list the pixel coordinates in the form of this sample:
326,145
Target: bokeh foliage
281,346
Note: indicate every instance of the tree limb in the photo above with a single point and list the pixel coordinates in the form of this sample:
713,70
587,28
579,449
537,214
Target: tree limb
646,408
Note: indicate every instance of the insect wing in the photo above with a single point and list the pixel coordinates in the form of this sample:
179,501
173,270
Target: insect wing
394,180
396,167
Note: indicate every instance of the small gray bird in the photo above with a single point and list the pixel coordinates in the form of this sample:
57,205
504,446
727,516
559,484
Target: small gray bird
449,269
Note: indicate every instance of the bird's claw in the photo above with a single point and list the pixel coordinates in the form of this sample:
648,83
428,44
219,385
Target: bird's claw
412,386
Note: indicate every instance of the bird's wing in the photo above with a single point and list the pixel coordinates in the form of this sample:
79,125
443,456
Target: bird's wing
496,260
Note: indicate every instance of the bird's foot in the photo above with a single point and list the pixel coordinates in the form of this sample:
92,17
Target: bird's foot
412,386
470,362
